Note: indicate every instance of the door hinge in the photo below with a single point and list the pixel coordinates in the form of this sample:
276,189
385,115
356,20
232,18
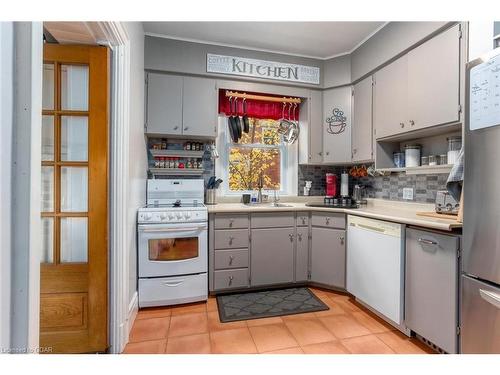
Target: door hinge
459,253
458,330
459,31
459,108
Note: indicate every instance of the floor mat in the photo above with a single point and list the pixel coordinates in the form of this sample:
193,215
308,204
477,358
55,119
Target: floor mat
264,304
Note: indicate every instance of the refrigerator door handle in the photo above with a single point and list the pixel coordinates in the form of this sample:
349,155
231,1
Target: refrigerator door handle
490,297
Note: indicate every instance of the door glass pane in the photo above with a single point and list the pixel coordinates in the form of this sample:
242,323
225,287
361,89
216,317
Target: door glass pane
73,239
47,239
47,189
74,138
74,189
74,87
47,138
48,92
173,249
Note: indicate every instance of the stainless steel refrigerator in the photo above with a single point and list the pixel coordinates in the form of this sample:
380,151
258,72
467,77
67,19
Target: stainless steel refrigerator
480,281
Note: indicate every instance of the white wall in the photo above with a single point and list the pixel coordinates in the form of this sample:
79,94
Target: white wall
6,92
137,147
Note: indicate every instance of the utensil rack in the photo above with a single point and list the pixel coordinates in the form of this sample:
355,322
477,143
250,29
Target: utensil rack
235,94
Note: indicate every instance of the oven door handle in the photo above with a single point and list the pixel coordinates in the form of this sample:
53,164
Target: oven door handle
173,283
184,229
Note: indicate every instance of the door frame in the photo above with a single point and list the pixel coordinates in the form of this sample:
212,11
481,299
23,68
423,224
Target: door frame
25,290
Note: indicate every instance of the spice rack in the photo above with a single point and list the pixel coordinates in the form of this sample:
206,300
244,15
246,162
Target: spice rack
170,159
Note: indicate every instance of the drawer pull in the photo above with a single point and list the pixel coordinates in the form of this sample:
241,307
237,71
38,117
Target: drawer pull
427,242
490,297
327,221
341,238
291,237
231,258
299,236
231,279
303,221
231,239
231,221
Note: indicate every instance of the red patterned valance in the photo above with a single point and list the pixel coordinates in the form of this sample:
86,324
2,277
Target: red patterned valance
255,108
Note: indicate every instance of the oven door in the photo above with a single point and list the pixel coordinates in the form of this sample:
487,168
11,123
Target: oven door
172,249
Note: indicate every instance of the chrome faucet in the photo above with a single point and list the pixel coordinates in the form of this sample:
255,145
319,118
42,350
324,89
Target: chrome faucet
260,185
276,198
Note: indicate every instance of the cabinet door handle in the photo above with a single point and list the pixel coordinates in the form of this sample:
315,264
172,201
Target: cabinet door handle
303,221
320,153
186,127
299,236
231,279
231,258
231,240
427,242
341,238
402,124
291,237
327,221
176,127
231,221
354,151
412,122
328,153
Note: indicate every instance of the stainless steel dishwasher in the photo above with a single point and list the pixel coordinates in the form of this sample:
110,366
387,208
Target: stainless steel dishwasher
431,286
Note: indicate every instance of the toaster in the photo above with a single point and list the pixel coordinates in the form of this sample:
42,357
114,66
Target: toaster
445,203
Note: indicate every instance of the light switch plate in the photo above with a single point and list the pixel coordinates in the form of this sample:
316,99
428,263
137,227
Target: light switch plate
408,194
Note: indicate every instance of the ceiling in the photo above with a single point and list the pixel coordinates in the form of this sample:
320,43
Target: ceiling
320,40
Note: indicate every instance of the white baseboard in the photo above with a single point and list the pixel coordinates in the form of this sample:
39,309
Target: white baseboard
133,308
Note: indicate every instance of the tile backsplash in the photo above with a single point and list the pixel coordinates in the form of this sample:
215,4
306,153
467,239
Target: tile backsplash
382,187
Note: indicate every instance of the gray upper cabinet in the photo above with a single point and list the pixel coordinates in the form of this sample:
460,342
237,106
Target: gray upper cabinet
181,106
164,104
390,99
272,253
328,257
362,129
302,254
433,81
199,110
311,131
431,286
337,125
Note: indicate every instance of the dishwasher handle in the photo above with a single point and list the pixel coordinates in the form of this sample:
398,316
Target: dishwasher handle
369,227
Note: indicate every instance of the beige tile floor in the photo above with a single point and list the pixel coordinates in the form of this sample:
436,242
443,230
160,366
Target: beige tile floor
196,329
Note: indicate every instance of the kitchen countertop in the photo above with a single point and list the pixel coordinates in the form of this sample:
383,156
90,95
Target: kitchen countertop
395,211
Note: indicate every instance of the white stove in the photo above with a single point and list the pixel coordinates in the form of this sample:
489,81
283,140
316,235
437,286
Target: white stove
172,243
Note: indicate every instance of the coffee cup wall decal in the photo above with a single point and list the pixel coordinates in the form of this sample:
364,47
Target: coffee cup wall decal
336,122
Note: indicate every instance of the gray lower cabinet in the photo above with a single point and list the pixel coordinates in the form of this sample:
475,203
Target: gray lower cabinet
431,286
229,279
328,256
272,253
302,254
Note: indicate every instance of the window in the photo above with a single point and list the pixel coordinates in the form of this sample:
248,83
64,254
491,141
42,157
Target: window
259,152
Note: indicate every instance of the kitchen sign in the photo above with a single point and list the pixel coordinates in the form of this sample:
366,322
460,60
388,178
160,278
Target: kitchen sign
242,66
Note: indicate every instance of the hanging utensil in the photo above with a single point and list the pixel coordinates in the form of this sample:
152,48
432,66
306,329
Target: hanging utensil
284,123
230,119
293,131
237,119
246,122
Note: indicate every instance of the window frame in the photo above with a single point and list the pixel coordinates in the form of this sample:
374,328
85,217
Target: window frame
288,167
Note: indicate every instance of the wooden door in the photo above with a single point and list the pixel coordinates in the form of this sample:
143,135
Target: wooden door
362,121
390,99
164,104
271,258
74,268
328,257
433,81
337,125
199,107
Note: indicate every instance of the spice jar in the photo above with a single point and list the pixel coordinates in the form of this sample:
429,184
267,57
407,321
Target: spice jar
454,146
412,155
433,160
424,160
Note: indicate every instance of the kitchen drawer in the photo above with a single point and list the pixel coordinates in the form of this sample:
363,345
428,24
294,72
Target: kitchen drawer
228,279
273,220
302,219
328,220
231,239
231,259
232,221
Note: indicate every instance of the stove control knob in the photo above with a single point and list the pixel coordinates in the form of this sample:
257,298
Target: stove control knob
178,215
187,215
147,216
163,217
170,216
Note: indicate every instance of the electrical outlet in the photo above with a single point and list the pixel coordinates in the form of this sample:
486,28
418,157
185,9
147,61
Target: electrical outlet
408,194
